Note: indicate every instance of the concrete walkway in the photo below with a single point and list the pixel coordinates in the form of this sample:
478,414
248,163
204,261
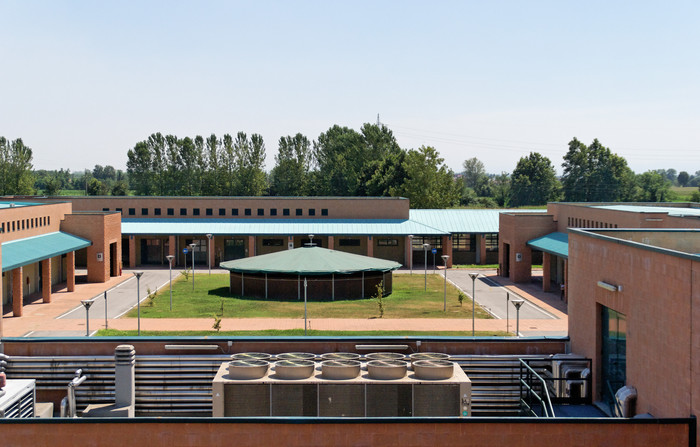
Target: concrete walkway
65,316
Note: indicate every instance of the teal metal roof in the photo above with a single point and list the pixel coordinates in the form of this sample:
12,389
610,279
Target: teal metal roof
33,249
553,243
670,210
310,261
462,220
254,227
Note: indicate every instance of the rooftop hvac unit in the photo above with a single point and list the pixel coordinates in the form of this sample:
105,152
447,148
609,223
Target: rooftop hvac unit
18,400
568,371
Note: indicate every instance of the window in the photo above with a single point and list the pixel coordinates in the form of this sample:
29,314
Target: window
183,211
2,227
285,212
22,224
464,242
418,241
306,242
210,212
234,211
349,242
387,242
248,212
132,211
491,242
171,212
195,211
300,212
261,212
273,242
222,211
273,211
144,211
156,211
324,211
312,212
105,209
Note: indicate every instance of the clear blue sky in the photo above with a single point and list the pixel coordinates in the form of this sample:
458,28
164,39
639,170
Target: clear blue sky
82,81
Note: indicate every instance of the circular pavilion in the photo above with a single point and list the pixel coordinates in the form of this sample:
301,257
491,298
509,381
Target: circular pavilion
328,275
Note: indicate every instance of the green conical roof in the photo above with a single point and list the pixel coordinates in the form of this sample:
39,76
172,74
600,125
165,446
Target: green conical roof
310,261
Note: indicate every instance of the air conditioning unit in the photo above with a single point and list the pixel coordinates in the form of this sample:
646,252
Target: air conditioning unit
18,400
569,371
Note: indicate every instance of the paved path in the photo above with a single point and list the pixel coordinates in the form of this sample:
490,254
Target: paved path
65,316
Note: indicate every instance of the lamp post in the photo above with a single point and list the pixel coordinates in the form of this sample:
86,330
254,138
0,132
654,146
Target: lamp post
444,259
410,252
87,304
473,276
425,252
311,240
170,267
105,294
507,319
138,298
517,303
209,236
192,245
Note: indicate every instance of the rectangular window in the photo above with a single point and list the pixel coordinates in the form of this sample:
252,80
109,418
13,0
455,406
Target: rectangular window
434,242
261,212
273,211
210,212
118,209
248,212
2,227
22,224
105,209
273,242
312,212
349,242
464,242
285,212
324,211
156,211
132,211
222,211
195,211
300,212
13,225
171,212
234,211
387,242
183,211
144,211
491,242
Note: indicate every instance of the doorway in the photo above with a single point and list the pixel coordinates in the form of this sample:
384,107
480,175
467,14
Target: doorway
234,248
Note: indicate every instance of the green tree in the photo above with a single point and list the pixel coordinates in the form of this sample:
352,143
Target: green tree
594,174
120,188
291,174
16,175
381,178
52,186
428,183
475,177
683,178
654,187
139,168
533,181
338,152
250,179
96,188
500,187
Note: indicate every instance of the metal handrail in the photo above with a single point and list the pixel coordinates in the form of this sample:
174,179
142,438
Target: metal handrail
546,406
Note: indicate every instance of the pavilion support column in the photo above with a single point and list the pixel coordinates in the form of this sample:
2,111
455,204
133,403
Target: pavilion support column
566,281
251,246
331,242
70,267
46,280
482,248
17,291
546,272
408,252
132,252
172,249
447,249
212,253
370,247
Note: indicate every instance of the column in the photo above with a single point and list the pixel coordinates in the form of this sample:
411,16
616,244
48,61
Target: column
447,249
251,246
17,291
546,272
70,267
331,242
172,249
370,247
482,248
132,252
408,252
46,280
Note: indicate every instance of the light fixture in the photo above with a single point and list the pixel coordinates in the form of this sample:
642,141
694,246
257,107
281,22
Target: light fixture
610,287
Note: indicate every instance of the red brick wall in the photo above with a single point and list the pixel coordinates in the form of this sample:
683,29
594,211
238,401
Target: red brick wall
102,229
585,216
516,229
33,218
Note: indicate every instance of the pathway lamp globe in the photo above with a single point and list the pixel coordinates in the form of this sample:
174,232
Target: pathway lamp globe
518,302
473,276
192,246
209,236
138,299
170,264
444,259
425,253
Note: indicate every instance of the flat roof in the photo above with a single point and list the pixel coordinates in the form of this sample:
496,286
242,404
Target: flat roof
12,204
29,250
462,220
553,243
670,210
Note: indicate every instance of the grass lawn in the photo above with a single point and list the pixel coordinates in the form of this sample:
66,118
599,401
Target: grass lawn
297,333
408,300
684,193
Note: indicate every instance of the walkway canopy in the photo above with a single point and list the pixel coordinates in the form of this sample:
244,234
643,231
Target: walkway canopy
310,261
29,250
553,243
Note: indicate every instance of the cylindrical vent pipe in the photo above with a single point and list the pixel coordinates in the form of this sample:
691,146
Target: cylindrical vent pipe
124,377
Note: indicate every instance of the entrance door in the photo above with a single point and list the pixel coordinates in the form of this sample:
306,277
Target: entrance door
234,249
614,352
200,251
151,251
506,261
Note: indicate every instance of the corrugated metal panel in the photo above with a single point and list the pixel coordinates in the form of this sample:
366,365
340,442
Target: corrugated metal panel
672,211
462,221
309,261
554,243
277,226
33,249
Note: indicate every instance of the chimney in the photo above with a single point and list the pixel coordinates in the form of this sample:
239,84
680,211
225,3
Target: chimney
124,378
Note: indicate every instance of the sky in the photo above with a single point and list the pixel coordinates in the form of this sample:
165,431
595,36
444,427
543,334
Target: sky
81,82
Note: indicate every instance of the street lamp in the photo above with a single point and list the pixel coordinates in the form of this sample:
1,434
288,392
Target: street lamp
87,304
170,264
410,252
444,259
473,276
192,245
517,303
209,236
138,298
425,253
507,316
